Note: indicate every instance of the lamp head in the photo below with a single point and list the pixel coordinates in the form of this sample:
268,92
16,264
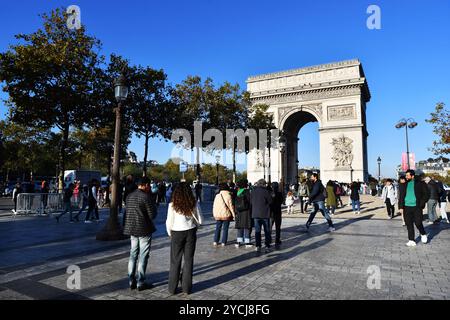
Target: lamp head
120,88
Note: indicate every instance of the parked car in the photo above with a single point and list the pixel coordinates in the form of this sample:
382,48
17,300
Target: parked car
8,189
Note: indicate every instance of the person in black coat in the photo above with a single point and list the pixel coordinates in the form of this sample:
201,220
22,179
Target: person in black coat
317,199
243,223
261,200
275,212
354,197
412,200
401,190
140,227
130,186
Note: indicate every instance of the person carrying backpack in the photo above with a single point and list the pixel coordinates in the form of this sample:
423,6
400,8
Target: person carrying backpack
243,222
303,194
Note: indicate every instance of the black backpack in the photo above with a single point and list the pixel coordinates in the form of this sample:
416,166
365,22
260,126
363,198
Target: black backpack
242,203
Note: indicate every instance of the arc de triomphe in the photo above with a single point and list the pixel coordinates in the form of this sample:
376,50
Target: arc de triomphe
334,95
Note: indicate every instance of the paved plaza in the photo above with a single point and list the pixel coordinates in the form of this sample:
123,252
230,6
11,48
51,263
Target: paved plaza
36,251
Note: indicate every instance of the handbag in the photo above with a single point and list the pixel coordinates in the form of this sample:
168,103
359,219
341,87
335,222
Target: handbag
230,215
196,222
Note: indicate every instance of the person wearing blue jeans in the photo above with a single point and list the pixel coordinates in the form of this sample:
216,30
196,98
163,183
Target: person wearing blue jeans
354,197
320,206
261,200
223,213
221,226
140,227
139,254
317,198
259,224
356,206
243,237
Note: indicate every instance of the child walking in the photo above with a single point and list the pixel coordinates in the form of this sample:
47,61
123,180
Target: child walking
290,199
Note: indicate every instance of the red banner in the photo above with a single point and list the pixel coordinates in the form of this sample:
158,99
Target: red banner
412,161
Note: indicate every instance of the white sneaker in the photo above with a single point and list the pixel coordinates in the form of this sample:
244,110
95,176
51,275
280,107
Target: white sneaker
248,246
237,245
331,229
424,239
87,221
430,222
215,244
411,244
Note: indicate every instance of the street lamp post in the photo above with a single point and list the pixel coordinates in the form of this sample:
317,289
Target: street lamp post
112,230
379,169
411,124
282,146
217,169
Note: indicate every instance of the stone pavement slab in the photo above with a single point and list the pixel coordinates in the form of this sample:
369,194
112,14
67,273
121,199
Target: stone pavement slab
318,265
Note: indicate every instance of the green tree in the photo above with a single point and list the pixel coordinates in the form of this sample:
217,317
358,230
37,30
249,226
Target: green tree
150,108
440,119
24,148
192,101
49,76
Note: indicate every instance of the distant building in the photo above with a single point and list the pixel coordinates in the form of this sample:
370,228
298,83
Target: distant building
440,166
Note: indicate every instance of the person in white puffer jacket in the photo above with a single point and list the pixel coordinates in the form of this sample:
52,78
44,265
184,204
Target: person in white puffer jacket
390,197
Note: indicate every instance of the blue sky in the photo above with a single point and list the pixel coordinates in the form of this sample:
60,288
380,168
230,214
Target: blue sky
406,62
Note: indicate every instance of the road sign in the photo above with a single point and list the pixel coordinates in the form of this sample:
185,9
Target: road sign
183,167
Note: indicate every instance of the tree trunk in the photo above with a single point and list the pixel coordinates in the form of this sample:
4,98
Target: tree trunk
112,230
80,159
145,154
62,158
198,164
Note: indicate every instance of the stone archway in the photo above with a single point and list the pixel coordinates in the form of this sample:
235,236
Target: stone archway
334,95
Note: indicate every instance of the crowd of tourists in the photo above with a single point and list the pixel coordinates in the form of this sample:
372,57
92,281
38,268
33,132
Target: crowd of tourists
253,209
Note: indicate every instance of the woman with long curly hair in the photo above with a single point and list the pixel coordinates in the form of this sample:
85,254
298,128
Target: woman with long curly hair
183,219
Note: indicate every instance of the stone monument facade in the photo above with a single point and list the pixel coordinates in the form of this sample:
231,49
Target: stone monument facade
334,95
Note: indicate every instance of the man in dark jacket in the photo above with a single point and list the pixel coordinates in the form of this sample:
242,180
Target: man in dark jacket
275,208
317,199
412,200
139,226
130,186
442,201
198,191
433,190
67,199
261,200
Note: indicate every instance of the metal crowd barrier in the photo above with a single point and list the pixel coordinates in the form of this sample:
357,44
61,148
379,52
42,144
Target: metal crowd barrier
39,203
